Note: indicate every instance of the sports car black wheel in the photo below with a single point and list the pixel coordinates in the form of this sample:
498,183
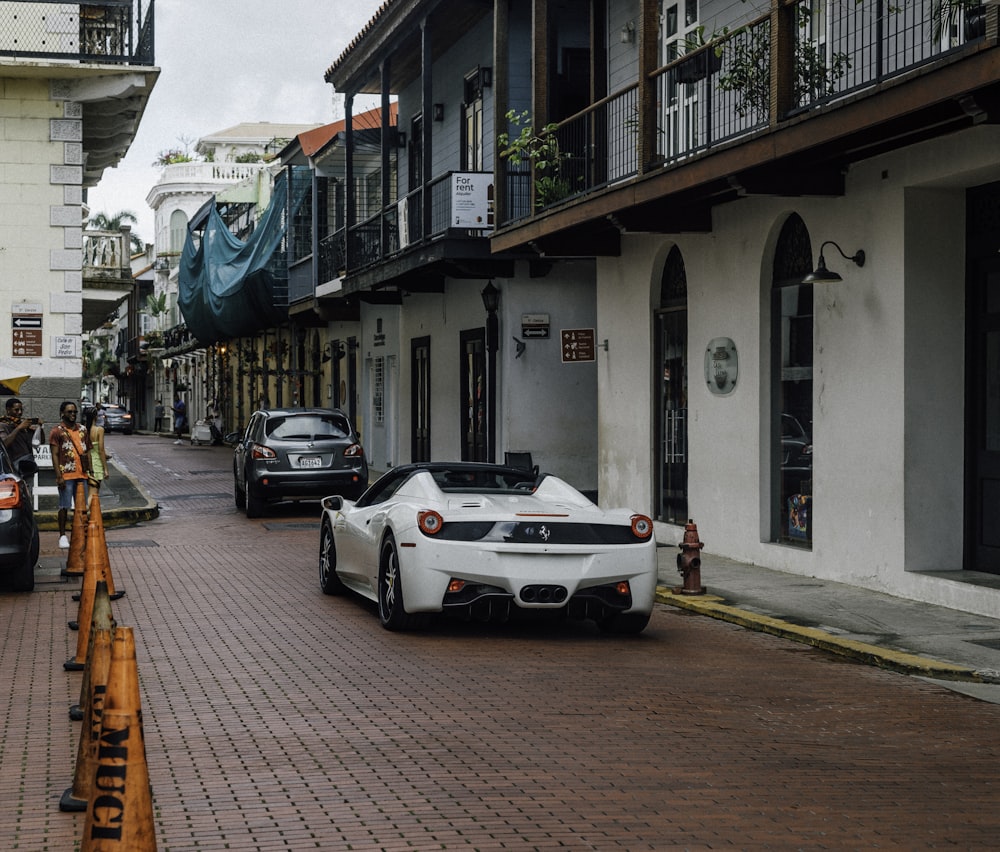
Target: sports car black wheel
625,622
391,609
329,582
239,495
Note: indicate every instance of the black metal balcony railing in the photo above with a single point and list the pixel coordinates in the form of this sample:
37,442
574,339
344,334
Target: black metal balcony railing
390,231
722,91
104,31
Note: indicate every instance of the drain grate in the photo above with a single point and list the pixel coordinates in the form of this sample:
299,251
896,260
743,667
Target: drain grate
141,542
292,526
208,472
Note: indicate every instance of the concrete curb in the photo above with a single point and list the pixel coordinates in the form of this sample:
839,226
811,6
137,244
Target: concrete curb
140,508
885,658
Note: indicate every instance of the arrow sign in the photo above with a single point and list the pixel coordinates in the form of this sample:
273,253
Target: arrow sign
26,322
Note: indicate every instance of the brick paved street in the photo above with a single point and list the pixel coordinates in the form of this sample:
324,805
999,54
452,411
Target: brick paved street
277,718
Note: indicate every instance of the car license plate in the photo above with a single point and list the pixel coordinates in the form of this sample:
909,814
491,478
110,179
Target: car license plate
310,461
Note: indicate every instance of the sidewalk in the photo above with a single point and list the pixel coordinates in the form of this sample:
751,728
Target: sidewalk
957,649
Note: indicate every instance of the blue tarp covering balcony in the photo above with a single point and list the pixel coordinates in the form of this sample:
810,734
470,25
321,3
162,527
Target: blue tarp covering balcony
229,288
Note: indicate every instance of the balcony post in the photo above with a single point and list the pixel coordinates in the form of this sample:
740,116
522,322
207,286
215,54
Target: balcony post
386,142
539,75
647,117
349,200
501,95
783,35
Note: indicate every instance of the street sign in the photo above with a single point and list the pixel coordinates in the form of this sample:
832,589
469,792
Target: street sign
577,345
26,321
26,342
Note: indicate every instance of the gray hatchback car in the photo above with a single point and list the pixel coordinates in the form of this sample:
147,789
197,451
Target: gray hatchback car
297,454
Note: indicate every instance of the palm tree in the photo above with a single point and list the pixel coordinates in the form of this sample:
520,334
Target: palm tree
104,222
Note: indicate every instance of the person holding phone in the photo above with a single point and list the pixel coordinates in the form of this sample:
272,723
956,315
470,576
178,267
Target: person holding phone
17,431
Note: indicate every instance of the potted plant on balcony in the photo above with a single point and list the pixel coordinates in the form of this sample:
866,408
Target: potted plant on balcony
700,61
542,151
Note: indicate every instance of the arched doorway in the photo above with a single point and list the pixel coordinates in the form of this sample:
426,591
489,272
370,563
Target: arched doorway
792,358
670,370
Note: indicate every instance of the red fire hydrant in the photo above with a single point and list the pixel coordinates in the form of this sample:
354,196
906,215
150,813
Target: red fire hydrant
689,561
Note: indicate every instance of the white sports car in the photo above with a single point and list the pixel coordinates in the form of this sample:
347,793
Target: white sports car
477,540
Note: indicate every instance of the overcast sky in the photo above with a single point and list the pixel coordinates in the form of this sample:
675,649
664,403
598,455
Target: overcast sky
224,62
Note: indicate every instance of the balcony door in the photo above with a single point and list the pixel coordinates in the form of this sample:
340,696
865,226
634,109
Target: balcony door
680,120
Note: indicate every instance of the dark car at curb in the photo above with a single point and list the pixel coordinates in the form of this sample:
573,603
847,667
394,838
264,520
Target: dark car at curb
19,542
297,454
117,419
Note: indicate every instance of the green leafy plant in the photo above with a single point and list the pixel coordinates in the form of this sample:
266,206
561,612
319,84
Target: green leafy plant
542,151
156,305
749,68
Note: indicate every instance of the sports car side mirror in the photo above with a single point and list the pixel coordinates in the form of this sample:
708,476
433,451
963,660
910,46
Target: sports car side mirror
334,502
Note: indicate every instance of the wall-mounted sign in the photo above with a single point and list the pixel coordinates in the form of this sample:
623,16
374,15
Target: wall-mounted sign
535,326
577,344
470,200
26,335
722,366
65,347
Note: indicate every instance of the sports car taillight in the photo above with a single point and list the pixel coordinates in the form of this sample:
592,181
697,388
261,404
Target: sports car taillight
642,527
10,494
430,522
261,452
353,451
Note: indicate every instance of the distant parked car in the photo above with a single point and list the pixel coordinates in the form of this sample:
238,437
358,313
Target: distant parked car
297,454
18,528
485,542
117,419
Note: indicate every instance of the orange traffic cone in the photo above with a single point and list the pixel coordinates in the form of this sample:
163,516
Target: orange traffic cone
94,571
78,535
77,797
100,620
120,810
98,518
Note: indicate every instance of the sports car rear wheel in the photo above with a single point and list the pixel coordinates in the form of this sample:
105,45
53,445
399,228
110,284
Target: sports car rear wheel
391,610
625,622
329,582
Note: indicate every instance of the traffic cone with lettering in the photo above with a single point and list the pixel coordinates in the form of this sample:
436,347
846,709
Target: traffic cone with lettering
95,510
78,536
77,797
100,620
95,569
120,810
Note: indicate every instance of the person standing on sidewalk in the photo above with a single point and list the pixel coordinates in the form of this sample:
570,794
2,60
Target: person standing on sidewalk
17,431
180,418
158,416
70,446
99,470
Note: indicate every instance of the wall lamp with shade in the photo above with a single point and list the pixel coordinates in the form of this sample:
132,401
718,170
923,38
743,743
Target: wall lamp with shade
628,33
823,275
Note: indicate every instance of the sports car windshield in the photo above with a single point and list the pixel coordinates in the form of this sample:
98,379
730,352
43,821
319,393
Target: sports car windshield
306,427
459,481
